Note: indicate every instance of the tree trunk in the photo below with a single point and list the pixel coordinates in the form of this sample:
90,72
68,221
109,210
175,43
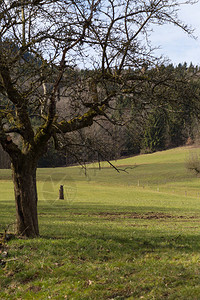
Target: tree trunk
24,178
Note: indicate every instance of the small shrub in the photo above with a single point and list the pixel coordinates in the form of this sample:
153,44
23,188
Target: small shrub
189,142
193,163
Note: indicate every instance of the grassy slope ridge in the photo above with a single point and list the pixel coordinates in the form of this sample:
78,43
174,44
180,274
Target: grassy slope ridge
127,235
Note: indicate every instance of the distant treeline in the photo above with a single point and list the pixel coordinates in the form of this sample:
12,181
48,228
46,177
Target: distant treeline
149,129
156,126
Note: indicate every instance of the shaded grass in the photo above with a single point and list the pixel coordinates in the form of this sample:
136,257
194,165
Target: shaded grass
93,257
131,235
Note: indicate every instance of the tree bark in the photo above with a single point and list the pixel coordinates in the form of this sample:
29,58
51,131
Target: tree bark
24,178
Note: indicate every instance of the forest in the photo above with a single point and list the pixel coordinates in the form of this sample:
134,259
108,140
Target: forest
145,128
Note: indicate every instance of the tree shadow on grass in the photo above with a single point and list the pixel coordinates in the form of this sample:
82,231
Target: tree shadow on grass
94,241
121,230
62,207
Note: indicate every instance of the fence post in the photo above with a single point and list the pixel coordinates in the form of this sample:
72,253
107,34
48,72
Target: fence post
61,192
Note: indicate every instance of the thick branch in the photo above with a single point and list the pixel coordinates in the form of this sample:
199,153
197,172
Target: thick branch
77,123
23,124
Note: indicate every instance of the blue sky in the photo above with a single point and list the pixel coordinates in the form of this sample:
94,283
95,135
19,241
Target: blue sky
177,45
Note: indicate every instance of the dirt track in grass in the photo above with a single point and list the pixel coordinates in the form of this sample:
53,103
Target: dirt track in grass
149,215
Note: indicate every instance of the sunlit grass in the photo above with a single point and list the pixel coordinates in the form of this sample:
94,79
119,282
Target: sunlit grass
128,235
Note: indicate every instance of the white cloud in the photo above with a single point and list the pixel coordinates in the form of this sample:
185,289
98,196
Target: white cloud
174,43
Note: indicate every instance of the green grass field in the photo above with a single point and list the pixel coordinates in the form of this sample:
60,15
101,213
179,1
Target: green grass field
128,235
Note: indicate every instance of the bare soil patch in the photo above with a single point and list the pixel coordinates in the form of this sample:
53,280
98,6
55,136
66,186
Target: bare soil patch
134,215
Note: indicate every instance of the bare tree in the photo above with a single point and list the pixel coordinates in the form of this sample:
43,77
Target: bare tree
41,42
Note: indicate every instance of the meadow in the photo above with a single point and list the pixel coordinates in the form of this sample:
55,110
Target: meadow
132,234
